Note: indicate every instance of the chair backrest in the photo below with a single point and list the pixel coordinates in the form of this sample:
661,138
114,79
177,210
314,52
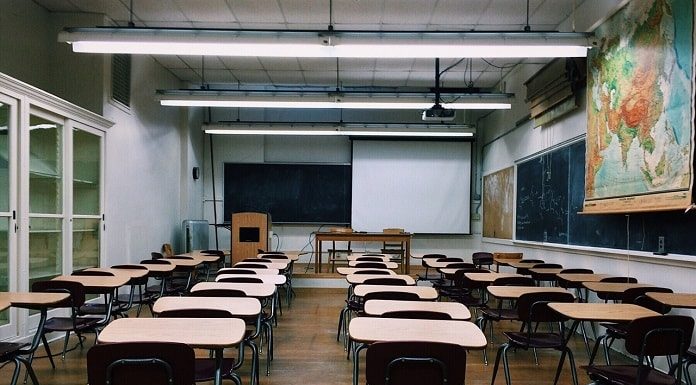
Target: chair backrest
252,260
548,266
129,267
93,273
393,281
373,255
630,294
196,313
659,335
236,271
448,259
652,304
432,256
156,255
218,293
246,265
392,295
219,253
416,314
460,279
371,265
241,279
619,279
577,271
482,258
160,261
533,307
531,261
414,362
153,363
375,272
273,256
461,265
75,289
367,258
514,281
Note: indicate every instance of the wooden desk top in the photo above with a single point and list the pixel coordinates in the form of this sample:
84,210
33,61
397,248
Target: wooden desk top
680,300
609,312
199,257
160,268
611,287
514,292
4,304
522,265
545,270
293,255
237,306
265,278
206,333
355,256
505,258
576,278
257,290
489,277
434,264
353,235
271,265
390,265
130,273
355,279
424,292
456,310
353,270
189,262
30,300
372,329
257,271
93,282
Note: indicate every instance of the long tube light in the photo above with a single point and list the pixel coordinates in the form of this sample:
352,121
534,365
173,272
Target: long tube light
346,129
242,99
346,44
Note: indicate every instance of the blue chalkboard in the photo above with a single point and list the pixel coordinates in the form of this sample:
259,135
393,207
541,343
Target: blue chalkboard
550,194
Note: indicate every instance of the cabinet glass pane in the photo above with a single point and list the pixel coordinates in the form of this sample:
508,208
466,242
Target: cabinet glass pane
86,167
4,157
85,243
45,248
45,166
4,261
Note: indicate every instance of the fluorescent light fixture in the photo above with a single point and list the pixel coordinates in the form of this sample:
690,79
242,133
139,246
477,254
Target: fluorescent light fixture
300,99
380,130
346,44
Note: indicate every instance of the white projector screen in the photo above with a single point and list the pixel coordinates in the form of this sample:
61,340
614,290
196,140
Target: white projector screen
420,186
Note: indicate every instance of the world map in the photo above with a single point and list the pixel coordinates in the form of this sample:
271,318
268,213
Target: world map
640,87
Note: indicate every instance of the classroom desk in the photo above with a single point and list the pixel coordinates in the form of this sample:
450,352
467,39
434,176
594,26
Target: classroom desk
545,274
424,292
205,333
184,262
276,279
200,257
255,290
366,330
612,290
280,266
434,264
101,285
456,310
236,306
34,301
157,270
321,237
389,265
679,300
353,270
255,270
487,277
292,255
130,273
514,292
356,279
504,259
575,281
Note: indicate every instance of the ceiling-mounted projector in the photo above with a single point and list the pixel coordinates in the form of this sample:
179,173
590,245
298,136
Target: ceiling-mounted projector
439,114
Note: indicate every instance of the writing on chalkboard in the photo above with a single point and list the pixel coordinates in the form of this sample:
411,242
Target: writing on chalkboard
550,194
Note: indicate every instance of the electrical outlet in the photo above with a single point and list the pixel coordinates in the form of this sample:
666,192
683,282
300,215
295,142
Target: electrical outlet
661,245
475,217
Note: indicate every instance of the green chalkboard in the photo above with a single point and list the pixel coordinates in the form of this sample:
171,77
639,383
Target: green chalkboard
550,193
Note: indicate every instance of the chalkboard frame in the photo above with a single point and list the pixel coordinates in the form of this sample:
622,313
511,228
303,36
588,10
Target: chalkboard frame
292,193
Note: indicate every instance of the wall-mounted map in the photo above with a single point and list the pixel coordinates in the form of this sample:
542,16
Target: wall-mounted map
498,193
640,110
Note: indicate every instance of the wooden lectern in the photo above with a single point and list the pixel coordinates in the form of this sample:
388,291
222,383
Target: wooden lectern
249,234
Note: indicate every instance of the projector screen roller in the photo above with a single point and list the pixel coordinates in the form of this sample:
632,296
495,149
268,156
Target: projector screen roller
420,186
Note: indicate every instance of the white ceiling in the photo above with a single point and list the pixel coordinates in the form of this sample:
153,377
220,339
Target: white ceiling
417,15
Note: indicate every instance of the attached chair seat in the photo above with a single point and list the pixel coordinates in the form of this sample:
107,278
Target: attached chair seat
205,369
8,348
499,314
625,375
62,324
538,340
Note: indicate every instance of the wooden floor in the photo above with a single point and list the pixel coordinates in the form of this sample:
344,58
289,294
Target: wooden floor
307,352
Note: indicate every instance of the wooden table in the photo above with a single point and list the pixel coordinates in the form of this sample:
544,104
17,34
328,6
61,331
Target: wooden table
355,279
236,306
353,270
389,265
205,333
255,270
514,292
366,330
456,310
321,237
277,279
680,300
424,292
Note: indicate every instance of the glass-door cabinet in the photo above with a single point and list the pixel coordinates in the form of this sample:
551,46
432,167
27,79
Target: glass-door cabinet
51,192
